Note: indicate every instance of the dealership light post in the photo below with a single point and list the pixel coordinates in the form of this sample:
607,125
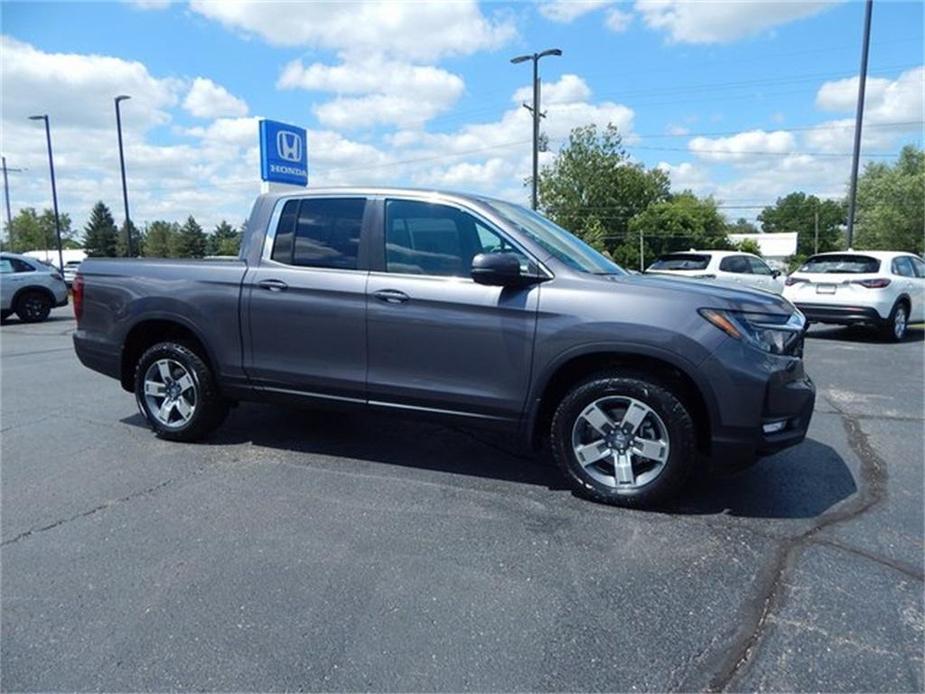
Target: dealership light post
858,122
54,191
535,57
128,220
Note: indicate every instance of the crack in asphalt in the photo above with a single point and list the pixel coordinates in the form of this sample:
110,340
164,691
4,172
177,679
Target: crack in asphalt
96,509
732,663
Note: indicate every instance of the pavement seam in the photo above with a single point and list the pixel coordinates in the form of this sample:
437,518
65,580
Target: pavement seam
909,570
96,509
734,661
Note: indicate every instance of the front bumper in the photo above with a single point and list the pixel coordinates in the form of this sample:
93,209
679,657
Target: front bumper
840,315
764,404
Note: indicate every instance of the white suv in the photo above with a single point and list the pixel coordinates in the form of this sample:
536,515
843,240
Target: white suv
29,288
731,266
885,289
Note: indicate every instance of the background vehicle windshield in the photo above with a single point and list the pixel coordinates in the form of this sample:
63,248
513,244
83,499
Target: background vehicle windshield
561,244
848,264
681,261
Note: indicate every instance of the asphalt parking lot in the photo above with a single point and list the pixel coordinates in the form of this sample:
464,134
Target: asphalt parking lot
308,551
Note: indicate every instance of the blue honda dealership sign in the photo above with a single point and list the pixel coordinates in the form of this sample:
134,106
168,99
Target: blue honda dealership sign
283,153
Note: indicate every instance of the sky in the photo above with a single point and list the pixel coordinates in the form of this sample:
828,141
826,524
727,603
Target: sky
744,101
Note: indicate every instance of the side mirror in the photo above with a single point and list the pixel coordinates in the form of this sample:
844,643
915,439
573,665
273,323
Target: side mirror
498,269
775,273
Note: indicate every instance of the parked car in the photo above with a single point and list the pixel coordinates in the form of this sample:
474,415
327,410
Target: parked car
70,271
881,289
29,288
458,307
730,266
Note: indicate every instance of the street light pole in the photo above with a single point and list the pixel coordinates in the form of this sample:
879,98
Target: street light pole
858,121
6,195
128,221
535,57
54,190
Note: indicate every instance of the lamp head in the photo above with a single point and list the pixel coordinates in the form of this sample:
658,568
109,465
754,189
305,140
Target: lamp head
521,59
122,97
43,117
551,51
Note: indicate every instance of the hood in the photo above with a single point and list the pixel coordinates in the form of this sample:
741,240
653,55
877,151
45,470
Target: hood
711,294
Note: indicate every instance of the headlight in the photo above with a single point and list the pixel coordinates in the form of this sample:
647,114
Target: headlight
769,332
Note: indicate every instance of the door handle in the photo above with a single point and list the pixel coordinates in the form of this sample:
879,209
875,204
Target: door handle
273,285
391,296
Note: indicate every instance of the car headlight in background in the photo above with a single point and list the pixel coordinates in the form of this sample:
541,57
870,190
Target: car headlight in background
769,332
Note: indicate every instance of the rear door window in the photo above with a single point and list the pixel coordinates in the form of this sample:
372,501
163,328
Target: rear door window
320,232
903,266
759,267
735,263
837,263
682,261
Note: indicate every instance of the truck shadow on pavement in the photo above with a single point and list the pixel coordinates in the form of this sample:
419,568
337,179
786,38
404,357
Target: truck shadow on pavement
861,335
802,482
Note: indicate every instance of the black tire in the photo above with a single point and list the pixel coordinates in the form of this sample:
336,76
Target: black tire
895,327
33,306
209,408
4,315
659,398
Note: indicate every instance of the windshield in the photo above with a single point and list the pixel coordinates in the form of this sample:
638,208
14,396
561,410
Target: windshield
847,264
681,261
561,244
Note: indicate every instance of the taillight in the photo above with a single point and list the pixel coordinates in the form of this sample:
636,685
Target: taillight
877,283
78,289
794,280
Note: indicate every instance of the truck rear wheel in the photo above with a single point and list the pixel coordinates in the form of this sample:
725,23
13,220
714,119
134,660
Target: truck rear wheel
625,440
177,394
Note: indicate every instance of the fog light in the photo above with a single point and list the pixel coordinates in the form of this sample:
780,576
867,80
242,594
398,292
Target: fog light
774,427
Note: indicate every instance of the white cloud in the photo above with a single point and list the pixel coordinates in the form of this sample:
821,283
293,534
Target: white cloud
677,130
568,89
395,93
885,100
716,21
687,176
206,99
404,30
149,4
566,11
744,146
617,20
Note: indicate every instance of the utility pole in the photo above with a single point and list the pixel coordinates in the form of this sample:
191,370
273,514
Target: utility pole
6,194
128,221
858,121
642,253
54,191
535,110
816,237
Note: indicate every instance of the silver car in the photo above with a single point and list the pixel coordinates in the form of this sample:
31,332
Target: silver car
71,268
29,288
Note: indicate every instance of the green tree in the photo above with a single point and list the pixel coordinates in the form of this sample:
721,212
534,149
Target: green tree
890,211
100,234
678,224
122,240
189,241
748,246
742,226
32,231
225,240
158,239
797,212
591,177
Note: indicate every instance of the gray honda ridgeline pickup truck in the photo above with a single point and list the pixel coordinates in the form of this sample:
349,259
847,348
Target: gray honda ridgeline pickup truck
461,307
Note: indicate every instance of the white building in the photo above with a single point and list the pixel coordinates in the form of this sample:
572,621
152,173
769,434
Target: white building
775,248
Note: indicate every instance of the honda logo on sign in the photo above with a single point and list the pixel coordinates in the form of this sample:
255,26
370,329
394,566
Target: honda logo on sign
289,145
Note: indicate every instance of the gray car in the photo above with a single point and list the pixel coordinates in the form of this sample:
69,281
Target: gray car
29,288
464,308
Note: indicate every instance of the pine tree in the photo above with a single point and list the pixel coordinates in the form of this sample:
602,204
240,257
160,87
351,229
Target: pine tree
225,240
158,239
100,234
190,241
122,241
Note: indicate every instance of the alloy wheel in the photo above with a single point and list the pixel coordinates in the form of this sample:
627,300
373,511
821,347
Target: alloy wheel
170,392
620,442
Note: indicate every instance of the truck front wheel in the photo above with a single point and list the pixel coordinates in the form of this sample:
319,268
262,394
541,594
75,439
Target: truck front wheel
624,439
176,392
